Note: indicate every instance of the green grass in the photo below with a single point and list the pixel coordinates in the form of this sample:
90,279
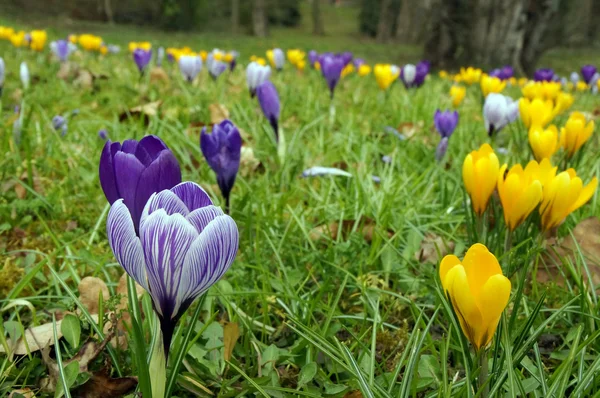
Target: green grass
316,317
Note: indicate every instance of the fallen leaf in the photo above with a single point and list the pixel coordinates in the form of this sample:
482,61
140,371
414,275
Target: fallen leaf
144,111
409,129
67,71
218,113
433,249
248,162
124,303
22,393
84,79
101,385
353,394
231,333
158,74
366,226
90,289
71,225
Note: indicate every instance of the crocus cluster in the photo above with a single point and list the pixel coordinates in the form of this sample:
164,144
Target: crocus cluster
504,73
413,76
276,58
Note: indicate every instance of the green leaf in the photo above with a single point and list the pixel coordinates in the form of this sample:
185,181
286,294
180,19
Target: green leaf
307,373
14,330
70,373
71,330
332,389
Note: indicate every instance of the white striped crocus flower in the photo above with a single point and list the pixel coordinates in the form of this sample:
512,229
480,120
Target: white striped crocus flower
185,245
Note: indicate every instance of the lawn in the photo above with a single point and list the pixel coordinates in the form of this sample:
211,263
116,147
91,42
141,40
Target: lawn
335,290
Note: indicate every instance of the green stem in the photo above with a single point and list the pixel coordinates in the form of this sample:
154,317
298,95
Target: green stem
158,364
508,240
484,388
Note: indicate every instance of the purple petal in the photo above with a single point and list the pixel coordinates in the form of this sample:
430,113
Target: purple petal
165,200
152,145
125,244
192,195
201,217
107,171
128,170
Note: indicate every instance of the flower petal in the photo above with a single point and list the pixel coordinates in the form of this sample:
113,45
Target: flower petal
448,262
494,298
128,170
192,195
479,265
464,304
107,171
201,217
125,244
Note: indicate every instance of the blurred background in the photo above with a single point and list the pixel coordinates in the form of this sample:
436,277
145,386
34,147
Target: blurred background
449,33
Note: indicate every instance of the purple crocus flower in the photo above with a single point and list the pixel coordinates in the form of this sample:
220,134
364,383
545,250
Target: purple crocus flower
346,57
134,170
233,62
358,62
222,150
62,49
256,74
507,72
269,103
103,134
440,150
142,58
498,111
543,75
588,72
215,68
313,57
184,246
331,68
445,122
414,75
423,69
59,123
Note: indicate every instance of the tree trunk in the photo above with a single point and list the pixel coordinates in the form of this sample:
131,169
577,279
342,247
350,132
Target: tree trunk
259,19
412,20
490,33
108,12
318,28
403,22
235,16
384,28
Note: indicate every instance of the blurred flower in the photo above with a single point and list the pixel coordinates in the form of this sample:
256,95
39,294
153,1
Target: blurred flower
588,71
190,66
574,78
536,113
445,122
543,142
135,170
2,74
38,40
90,42
258,60
313,56
480,172
142,45
269,103
505,73
543,75
103,134
385,75
519,191
562,195
296,58
113,48
331,68
18,39
72,38
231,58
414,76
470,75
24,73
443,74
357,62
184,246
562,103
346,57
62,49
256,75
408,74
478,292
491,84
348,70
222,151
364,70
59,123
457,93
6,32
581,86
215,67
576,132
276,58
142,58
160,55
542,90
498,111
442,147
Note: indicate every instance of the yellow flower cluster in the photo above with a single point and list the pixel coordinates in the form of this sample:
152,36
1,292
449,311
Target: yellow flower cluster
363,70
385,75
6,32
143,45
468,75
491,84
176,53
348,69
258,60
36,39
297,58
91,42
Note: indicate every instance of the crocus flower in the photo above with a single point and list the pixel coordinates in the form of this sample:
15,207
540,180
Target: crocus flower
408,74
543,142
331,68
363,70
577,131
160,55
543,75
385,75
142,58
588,71
190,66
269,103
490,84
478,291
520,192
504,73
457,94
445,122
574,78
231,58
536,112
37,39
470,75
103,134
24,73
498,111
62,49
276,57
346,57
256,75
313,57
222,151
59,123
134,170
480,172
215,67
357,62
440,150
184,246
562,195
113,48
2,74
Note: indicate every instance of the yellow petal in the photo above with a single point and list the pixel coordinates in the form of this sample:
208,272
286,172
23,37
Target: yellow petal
585,195
493,300
479,265
447,263
463,302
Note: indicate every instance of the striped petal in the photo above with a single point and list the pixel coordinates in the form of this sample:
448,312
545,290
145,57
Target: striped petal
192,195
165,241
201,217
165,200
125,244
209,257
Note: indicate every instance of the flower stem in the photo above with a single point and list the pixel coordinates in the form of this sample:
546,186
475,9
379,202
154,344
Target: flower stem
158,364
508,240
484,388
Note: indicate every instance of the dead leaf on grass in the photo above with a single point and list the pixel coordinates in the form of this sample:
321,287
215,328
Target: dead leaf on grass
218,113
231,333
366,226
158,74
142,111
22,393
433,249
90,289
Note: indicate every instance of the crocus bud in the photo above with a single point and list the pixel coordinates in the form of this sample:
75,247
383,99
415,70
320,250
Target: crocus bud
408,74
222,151
480,172
103,134
313,57
113,49
160,55
574,77
269,103
445,122
134,170
256,75
543,75
588,71
216,68
59,123
24,73
190,66
276,58
62,49
331,68
142,58
498,111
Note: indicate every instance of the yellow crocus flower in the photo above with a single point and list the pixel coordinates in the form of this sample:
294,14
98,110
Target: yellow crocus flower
470,75
575,133
480,172
348,69
581,86
90,42
38,39
543,142
478,291
562,195
457,93
18,39
228,58
443,74
104,50
73,39
513,81
563,102
271,57
491,84
519,192
522,81
384,75
203,55
550,90
543,171
317,65
6,33
142,45
364,70
536,112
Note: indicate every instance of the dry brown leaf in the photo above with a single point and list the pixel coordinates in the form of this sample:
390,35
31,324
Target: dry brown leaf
20,191
409,129
23,392
67,71
248,162
158,74
587,237
218,113
433,249
231,333
123,304
101,385
90,289
353,394
366,227
17,95
84,79
144,111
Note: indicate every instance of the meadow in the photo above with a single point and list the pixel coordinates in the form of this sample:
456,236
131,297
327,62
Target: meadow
335,290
